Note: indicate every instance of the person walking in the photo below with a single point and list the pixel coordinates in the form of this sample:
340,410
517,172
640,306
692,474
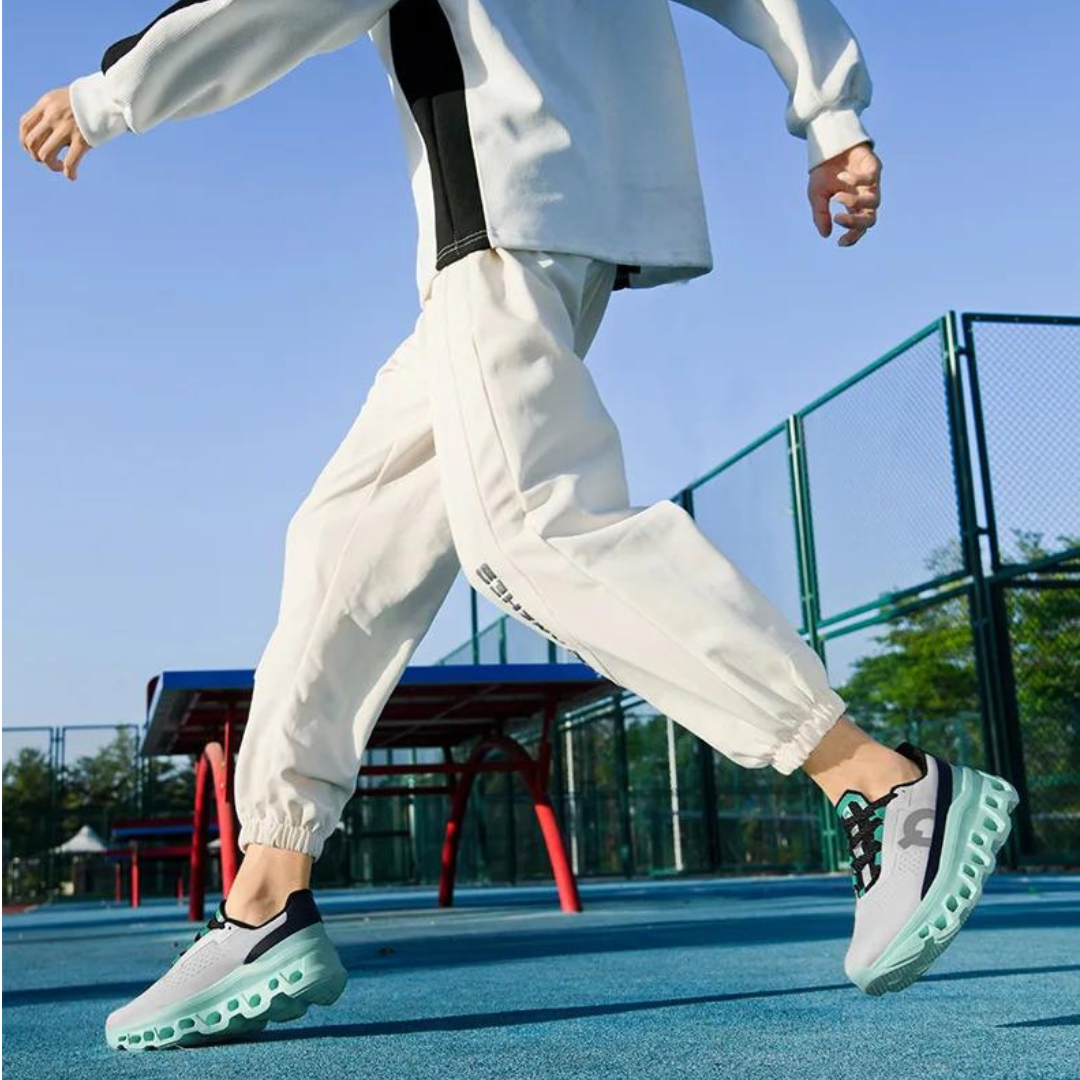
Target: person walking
552,162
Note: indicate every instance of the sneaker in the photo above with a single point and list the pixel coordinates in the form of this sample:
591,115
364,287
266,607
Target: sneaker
919,857
233,979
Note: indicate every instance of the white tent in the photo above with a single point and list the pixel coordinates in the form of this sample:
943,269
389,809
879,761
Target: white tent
84,842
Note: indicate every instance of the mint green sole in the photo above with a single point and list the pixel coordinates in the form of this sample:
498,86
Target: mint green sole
281,985
975,831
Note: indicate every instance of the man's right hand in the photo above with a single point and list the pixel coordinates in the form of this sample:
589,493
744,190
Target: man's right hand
854,179
49,127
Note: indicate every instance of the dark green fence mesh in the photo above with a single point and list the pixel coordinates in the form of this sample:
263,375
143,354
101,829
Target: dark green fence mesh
882,490
913,678
1044,622
1029,386
921,524
746,509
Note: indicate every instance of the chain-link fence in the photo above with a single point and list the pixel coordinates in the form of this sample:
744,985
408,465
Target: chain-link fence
59,780
1024,377
920,524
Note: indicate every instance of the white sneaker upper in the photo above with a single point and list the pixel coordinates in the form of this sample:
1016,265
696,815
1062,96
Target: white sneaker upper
220,948
892,882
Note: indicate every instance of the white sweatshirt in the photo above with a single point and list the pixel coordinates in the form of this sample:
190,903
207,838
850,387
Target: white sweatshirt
552,125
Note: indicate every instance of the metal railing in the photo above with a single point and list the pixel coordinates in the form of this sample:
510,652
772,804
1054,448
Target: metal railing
920,524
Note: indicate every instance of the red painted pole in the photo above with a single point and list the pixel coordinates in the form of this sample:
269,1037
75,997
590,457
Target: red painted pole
226,816
569,898
230,752
452,839
180,887
136,892
537,776
197,876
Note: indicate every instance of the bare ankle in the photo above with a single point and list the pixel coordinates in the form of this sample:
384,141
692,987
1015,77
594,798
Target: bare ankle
266,878
847,759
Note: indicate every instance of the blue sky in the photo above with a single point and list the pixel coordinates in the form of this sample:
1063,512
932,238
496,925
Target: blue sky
192,326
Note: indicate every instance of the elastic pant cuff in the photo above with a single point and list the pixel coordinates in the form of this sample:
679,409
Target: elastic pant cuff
280,834
801,743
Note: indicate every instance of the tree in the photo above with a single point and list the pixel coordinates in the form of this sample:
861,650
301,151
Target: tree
920,684
28,792
107,778
27,780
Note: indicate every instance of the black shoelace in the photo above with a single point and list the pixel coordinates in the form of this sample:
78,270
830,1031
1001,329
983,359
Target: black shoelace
860,823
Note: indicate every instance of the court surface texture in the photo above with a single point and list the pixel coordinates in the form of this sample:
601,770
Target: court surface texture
708,978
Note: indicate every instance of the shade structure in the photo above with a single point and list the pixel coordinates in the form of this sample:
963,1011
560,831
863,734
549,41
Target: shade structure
84,842
433,706
470,718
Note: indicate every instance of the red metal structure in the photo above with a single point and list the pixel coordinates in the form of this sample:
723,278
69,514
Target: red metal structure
133,840
468,712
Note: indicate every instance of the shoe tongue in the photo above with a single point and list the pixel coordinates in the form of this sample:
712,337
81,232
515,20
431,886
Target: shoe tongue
851,799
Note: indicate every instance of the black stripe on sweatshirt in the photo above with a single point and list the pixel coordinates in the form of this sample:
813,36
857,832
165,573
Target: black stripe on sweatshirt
429,71
122,47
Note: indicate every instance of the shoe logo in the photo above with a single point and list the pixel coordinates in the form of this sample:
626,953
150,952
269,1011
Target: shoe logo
913,834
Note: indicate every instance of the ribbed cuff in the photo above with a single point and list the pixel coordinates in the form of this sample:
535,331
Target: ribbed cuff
832,132
791,754
98,116
280,834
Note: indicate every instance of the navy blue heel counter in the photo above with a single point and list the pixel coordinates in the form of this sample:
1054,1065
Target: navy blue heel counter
300,913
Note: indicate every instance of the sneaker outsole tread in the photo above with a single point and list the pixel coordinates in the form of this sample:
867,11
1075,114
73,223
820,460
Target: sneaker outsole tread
280,988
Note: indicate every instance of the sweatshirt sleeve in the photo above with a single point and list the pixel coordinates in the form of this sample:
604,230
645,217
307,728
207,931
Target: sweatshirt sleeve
200,56
817,56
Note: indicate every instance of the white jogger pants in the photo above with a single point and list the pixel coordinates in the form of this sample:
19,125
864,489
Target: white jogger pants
483,445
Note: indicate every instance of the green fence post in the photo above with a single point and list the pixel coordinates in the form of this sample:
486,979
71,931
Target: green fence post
56,796
969,530
557,786
810,603
989,615
622,789
685,498
809,595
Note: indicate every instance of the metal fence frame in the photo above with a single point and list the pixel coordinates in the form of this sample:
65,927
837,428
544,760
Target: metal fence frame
982,580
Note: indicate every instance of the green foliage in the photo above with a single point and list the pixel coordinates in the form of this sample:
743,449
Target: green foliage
28,787
108,778
1045,628
919,682
172,786
1044,625
41,810
27,780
